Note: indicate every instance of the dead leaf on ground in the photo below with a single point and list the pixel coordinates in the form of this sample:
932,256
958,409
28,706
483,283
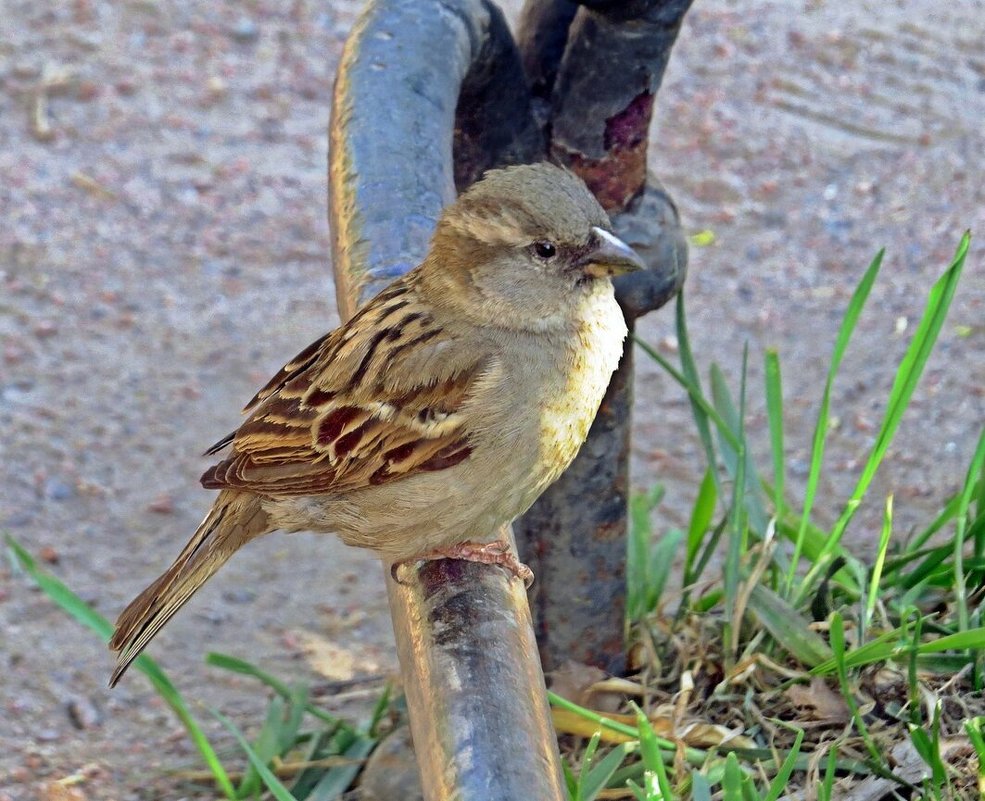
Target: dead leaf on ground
57,791
331,660
589,686
695,734
820,702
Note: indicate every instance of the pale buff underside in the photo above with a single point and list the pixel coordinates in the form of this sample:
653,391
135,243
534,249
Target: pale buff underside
534,407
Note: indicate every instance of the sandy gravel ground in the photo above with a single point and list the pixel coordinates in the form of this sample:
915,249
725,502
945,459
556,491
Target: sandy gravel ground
163,249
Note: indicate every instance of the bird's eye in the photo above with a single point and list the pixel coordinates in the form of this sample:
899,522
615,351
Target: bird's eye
545,250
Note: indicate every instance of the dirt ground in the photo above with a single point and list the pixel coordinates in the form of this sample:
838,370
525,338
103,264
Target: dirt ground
163,249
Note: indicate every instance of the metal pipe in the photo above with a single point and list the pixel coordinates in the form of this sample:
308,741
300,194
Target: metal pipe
600,87
475,691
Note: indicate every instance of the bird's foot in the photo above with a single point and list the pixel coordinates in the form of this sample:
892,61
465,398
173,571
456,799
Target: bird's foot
496,552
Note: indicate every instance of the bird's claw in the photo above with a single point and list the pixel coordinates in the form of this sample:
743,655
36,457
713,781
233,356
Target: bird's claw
496,552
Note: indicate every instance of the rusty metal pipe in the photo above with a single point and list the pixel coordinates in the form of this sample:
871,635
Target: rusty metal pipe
475,691
595,70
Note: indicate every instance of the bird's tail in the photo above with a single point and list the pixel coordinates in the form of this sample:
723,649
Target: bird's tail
235,519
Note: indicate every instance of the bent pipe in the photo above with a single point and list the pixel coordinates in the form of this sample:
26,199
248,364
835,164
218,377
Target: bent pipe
475,691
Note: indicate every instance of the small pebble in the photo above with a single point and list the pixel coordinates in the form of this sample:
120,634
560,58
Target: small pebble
25,70
87,90
13,354
49,555
45,329
239,596
163,504
245,30
216,86
83,713
126,87
57,490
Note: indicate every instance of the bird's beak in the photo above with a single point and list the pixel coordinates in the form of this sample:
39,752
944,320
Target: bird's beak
610,257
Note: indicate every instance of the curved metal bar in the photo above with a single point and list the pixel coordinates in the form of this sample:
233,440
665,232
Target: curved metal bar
601,84
542,35
486,734
392,171
494,127
475,691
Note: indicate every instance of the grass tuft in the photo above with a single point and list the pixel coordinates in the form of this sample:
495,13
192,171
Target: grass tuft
840,677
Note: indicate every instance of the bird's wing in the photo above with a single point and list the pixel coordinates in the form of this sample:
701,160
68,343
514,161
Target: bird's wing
376,400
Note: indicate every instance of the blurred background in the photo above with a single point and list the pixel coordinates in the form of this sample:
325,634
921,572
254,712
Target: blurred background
164,249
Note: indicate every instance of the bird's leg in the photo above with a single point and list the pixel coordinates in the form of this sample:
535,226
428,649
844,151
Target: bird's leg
496,552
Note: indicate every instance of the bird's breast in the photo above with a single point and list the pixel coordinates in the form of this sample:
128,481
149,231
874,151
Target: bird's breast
570,404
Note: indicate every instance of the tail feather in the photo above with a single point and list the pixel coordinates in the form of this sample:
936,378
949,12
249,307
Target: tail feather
235,519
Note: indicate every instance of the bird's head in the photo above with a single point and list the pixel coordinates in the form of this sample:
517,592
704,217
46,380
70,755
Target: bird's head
525,246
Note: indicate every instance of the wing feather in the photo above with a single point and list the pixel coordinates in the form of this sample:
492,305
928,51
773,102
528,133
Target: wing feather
343,414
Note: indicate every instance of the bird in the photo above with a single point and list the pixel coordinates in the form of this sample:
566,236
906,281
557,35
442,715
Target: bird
440,411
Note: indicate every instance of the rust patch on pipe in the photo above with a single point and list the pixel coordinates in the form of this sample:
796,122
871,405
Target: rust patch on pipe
618,176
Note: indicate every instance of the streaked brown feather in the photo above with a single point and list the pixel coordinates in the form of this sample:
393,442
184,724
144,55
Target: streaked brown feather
233,520
323,425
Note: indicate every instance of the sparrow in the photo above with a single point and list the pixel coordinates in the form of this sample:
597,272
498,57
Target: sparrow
440,411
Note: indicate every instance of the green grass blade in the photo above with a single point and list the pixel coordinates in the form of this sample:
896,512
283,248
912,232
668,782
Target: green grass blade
887,647
690,371
825,791
586,763
787,626
959,641
266,746
321,746
597,779
732,780
876,574
967,492
272,783
848,322
709,549
906,380
339,779
837,634
89,617
640,579
701,516
735,442
946,515
875,650
737,541
379,712
700,787
694,390
973,728
569,779
606,723
774,414
245,668
241,666
653,759
929,752
662,559
637,550
779,783
976,532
